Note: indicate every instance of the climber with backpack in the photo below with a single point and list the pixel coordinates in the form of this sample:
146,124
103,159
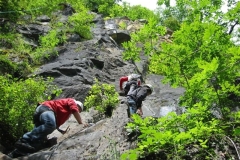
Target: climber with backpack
135,97
49,115
126,81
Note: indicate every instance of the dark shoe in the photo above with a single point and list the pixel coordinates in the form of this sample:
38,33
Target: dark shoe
24,146
16,153
50,142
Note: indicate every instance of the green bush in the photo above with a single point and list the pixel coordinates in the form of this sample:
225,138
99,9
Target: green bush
122,25
46,48
82,23
132,12
18,102
172,23
174,133
6,65
102,97
101,6
23,69
8,7
202,58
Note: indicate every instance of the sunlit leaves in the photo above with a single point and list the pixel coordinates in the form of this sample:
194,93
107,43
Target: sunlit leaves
148,36
174,131
82,23
101,96
19,100
134,12
201,58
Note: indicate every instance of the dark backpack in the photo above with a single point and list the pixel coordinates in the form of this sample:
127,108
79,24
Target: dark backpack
127,86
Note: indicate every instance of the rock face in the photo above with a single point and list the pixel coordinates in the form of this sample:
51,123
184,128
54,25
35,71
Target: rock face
74,72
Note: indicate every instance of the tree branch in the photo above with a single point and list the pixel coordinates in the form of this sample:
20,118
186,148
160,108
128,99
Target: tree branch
234,146
232,27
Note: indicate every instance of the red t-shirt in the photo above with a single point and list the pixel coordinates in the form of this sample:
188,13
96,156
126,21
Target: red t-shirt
63,108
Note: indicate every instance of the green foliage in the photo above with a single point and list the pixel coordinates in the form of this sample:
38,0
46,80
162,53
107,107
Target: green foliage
102,97
199,54
139,12
82,23
122,25
23,69
100,6
202,58
47,47
9,5
14,42
171,23
6,66
5,40
13,9
205,10
149,38
15,56
174,133
132,12
18,102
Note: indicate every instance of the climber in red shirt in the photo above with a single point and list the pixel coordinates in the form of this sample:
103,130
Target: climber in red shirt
50,115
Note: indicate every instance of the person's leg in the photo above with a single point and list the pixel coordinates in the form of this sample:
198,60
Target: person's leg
132,109
48,125
33,141
132,106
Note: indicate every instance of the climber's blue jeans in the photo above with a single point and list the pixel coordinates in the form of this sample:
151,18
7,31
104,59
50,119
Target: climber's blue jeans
131,105
40,132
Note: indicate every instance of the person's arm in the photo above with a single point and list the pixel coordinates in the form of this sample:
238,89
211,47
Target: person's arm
139,108
139,111
79,119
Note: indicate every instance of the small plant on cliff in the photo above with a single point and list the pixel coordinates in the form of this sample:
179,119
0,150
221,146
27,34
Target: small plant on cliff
111,152
102,97
81,22
122,25
47,48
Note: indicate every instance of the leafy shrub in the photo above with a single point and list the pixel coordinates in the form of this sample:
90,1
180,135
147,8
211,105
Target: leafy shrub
18,102
100,6
14,43
8,6
201,58
171,23
6,65
174,133
82,23
15,58
102,97
122,25
23,69
47,47
148,36
132,12
6,40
